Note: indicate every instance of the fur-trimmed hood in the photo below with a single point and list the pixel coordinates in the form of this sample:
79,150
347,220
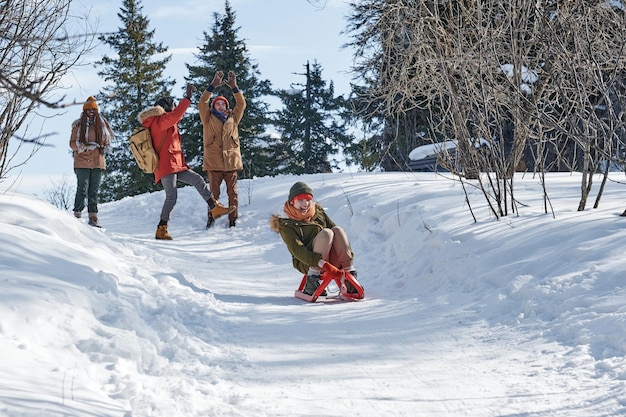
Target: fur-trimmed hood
150,112
275,223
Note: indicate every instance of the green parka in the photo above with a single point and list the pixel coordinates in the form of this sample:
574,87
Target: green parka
298,236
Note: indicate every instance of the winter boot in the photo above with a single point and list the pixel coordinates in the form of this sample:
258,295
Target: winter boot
161,233
312,283
232,223
77,214
349,287
210,220
219,210
93,220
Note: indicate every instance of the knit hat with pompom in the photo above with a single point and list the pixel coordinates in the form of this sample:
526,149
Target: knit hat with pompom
91,104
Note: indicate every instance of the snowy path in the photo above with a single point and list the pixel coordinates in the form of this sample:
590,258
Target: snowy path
393,354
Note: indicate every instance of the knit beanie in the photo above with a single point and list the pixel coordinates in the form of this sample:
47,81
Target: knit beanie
91,104
218,98
166,102
299,189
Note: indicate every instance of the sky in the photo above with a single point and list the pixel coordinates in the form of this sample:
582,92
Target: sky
518,317
281,38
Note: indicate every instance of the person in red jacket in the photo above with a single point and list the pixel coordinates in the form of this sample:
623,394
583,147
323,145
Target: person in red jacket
220,137
162,120
91,136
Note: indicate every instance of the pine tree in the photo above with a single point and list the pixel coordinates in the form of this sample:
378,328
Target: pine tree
137,81
224,50
311,126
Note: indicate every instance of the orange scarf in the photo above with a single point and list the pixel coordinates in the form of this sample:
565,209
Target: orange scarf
295,214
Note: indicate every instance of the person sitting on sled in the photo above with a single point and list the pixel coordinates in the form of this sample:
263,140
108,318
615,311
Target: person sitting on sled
313,239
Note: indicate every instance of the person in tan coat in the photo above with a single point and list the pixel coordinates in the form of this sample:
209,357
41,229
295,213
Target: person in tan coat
220,136
162,119
91,136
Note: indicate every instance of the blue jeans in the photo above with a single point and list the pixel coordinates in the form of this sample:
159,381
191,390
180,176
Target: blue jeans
87,185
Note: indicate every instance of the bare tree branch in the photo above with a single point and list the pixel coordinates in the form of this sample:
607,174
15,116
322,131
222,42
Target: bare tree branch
543,79
36,50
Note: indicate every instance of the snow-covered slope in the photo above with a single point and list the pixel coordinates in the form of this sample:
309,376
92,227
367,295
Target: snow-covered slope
523,316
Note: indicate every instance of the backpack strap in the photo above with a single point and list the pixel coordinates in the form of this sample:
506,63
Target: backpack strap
162,140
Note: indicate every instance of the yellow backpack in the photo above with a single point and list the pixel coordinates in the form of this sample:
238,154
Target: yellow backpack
143,151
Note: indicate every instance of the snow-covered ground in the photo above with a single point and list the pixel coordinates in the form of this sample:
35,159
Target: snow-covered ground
525,316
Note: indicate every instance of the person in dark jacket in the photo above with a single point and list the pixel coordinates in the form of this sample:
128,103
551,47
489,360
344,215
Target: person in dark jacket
312,238
91,136
220,132
162,120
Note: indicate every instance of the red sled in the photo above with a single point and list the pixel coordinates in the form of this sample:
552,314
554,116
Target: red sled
340,279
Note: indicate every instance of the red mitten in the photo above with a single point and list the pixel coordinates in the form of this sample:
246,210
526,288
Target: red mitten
330,268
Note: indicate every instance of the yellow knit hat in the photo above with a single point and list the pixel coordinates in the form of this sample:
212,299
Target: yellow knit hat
90,104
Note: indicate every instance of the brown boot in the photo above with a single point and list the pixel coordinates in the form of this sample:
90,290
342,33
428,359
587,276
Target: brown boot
219,210
77,214
162,234
93,220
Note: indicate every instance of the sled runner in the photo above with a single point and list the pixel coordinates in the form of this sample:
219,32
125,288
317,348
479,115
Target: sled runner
340,279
